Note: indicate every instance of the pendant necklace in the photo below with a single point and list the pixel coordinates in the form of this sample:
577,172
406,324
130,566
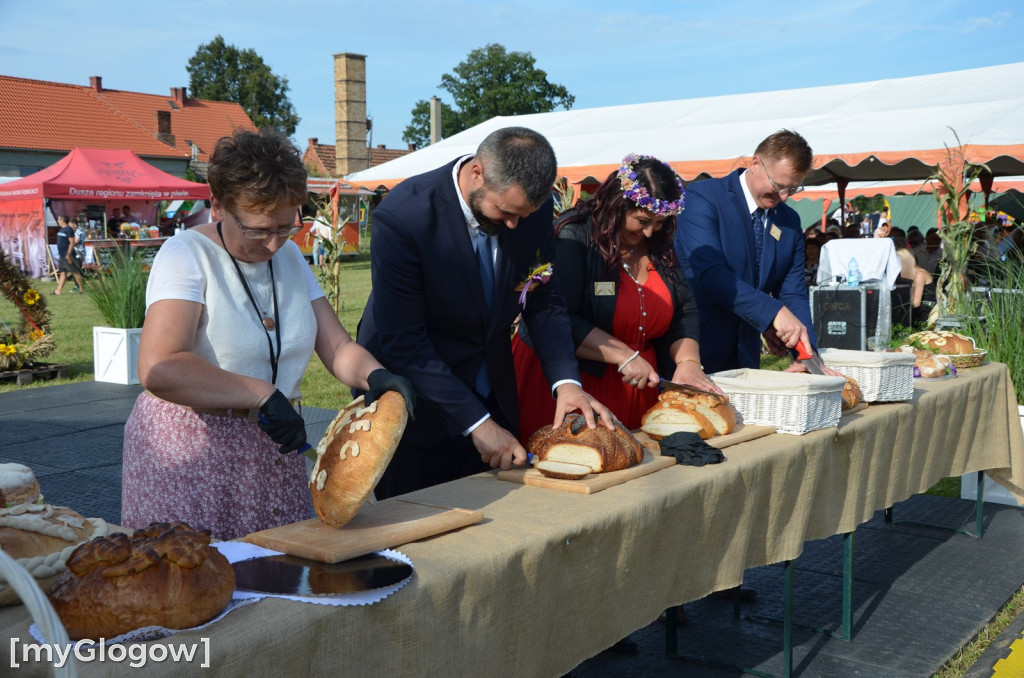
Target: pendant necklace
269,324
642,335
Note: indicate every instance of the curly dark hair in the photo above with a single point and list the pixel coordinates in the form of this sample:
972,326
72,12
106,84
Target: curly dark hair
257,171
607,210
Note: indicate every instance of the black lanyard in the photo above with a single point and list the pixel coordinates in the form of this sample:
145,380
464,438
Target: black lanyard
252,300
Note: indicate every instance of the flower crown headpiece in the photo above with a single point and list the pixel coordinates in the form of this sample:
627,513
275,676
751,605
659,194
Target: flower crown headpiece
632,189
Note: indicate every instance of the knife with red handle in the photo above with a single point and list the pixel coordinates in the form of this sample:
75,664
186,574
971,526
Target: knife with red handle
811,361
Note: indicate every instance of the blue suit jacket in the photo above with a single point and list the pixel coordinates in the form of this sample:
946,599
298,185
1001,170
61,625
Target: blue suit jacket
427,318
715,242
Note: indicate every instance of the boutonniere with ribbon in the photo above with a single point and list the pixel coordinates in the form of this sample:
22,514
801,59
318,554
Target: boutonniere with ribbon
540,274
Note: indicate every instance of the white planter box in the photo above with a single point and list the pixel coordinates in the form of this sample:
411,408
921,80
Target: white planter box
115,354
994,492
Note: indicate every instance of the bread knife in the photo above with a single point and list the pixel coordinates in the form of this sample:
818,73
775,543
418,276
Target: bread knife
692,390
811,361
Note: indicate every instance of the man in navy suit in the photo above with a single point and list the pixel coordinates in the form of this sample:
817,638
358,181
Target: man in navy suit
449,249
743,251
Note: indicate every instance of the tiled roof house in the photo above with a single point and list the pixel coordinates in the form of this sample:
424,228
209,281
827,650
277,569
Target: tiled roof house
40,122
320,159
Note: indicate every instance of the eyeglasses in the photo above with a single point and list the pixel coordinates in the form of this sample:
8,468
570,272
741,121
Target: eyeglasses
264,233
788,190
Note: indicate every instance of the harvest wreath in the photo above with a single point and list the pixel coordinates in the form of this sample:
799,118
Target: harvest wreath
31,339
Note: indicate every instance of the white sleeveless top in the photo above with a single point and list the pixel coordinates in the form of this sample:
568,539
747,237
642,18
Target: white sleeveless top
191,267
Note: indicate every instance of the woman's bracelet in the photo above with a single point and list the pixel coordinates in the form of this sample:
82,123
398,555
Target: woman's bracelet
628,360
689,360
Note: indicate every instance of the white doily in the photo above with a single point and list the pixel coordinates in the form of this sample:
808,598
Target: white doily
235,551
150,632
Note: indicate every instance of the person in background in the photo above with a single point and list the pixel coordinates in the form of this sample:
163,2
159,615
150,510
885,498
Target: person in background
323,232
80,234
929,255
233,316
812,258
921,281
66,261
633,315
114,223
458,253
914,239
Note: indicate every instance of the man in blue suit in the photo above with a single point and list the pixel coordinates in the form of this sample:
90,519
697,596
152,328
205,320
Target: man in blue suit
450,247
743,251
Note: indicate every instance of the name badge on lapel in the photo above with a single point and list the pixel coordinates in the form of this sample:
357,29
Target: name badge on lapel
604,289
776,232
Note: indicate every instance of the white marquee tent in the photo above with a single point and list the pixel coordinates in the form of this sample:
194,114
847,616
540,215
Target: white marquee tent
896,129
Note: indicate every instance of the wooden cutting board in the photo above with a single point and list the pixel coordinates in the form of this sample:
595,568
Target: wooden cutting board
741,434
595,482
386,524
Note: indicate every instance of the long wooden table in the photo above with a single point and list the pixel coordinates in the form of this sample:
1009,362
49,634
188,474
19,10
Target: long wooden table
551,578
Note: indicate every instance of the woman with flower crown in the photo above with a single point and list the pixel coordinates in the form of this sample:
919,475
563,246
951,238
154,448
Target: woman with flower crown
634,318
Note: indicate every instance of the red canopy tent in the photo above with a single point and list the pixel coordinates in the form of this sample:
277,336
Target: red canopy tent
84,176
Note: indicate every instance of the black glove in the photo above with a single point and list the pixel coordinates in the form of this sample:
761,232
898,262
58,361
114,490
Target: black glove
690,449
282,423
380,381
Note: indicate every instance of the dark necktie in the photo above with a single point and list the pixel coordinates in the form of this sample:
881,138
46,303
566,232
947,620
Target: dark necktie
758,220
486,261
486,264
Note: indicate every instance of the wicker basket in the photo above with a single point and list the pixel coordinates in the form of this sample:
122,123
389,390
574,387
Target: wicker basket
966,360
793,403
41,610
882,376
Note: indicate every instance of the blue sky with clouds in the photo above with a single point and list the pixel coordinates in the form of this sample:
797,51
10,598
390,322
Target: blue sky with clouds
605,53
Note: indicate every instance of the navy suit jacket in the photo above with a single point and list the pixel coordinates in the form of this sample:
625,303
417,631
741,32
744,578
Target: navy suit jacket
715,243
427,319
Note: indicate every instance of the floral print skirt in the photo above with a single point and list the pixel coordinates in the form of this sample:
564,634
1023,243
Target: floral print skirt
222,474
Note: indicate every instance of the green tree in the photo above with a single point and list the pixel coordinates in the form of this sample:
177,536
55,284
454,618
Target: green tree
489,82
222,72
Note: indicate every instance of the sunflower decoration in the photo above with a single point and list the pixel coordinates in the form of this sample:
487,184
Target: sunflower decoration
31,339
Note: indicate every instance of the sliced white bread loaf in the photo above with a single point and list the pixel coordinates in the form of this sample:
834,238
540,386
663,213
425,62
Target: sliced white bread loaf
562,470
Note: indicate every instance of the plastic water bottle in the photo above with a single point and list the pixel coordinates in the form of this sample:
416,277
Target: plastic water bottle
853,274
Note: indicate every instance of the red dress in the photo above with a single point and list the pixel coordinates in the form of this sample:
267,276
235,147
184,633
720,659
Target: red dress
536,404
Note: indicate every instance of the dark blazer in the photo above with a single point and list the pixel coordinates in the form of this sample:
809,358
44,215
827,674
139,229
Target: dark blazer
715,242
580,265
427,319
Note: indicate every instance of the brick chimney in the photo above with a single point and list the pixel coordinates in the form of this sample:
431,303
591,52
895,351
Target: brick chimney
314,141
96,82
179,95
350,150
163,127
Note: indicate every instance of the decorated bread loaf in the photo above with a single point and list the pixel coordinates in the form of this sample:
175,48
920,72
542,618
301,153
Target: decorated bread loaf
17,485
943,342
852,395
41,537
926,363
578,447
674,412
165,575
353,454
